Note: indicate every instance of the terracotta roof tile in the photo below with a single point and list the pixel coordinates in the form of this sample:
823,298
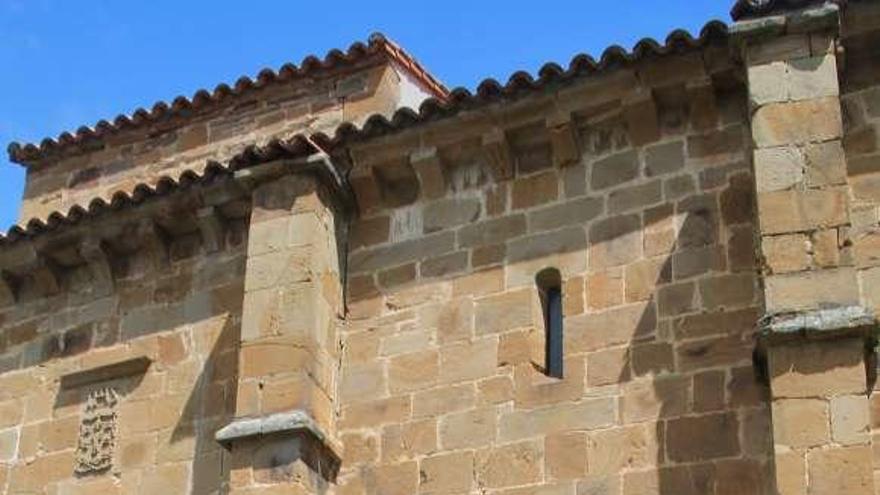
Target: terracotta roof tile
297,146
522,83
377,46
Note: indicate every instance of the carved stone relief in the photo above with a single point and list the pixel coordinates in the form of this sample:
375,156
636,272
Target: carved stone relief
97,433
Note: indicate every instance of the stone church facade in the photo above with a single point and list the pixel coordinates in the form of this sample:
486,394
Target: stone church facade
656,273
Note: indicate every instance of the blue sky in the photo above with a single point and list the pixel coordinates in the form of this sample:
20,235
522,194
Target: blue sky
67,63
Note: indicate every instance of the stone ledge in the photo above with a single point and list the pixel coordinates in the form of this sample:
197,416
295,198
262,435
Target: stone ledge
129,367
799,21
821,324
296,421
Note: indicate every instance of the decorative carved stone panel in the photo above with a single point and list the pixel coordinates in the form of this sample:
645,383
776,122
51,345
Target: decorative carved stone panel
97,433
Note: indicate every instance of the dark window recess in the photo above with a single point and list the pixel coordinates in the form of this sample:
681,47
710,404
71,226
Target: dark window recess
549,283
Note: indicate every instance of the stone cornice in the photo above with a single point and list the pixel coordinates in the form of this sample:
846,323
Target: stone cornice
819,324
149,221
284,423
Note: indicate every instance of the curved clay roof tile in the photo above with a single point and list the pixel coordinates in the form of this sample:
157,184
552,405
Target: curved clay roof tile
310,66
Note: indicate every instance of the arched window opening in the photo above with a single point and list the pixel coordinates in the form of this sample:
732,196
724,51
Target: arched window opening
549,282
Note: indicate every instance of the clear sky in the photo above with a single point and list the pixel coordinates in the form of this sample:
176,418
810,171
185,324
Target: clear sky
71,63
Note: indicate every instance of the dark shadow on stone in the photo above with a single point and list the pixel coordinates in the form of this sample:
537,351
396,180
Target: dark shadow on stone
210,406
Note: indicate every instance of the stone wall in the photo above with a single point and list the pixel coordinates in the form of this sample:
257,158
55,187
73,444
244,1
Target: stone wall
442,387
712,213
861,103
181,315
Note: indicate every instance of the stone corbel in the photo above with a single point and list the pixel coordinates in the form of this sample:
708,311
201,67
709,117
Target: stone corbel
24,261
96,255
212,228
47,277
703,105
642,117
154,241
366,189
429,169
498,154
8,289
563,139
135,366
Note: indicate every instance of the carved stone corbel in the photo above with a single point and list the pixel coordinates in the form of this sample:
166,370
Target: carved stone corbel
563,139
703,105
498,154
212,228
46,276
154,241
429,169
8,289
642,117
366,189
97,256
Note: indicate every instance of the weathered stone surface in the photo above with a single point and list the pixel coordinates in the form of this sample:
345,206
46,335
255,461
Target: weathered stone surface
588,414
565,456
811,290
510,465
798,211
800,122
615,241
686,438
614,170
535,190
446,473
779,168
850,420
844,470
492,231
468,429
448,213
576,212
505,312
801,423
635,197
662,159
816,370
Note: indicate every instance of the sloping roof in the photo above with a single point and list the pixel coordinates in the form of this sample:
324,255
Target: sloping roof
295,147
521,84
490,91
377,46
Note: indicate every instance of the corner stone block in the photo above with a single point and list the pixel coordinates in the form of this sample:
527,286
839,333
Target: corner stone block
801,122
288,342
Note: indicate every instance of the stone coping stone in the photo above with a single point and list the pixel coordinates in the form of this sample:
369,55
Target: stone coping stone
130,367
800,21
819,324
296,421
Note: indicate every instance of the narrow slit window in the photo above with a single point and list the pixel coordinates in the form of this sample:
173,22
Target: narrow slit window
549,284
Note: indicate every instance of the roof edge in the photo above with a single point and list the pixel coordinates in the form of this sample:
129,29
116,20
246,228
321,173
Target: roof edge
26,154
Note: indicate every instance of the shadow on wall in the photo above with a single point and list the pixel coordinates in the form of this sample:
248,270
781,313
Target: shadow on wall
209,407
712,414
680,353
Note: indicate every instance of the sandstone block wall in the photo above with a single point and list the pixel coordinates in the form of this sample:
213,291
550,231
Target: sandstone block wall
682,199
442,387
860,90
183,314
